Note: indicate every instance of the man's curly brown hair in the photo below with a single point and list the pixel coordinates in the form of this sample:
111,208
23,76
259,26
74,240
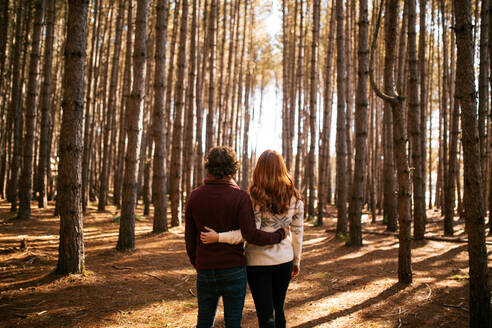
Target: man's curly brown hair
221,161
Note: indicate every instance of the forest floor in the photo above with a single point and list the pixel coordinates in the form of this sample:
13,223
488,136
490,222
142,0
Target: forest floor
154,286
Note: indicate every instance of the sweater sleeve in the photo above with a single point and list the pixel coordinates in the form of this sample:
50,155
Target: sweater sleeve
190,234
235,237
297,229
231,237
248,228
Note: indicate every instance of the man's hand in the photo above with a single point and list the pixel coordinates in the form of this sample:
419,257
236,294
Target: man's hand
295,271
209,237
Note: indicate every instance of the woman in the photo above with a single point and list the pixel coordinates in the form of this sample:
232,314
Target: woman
277,203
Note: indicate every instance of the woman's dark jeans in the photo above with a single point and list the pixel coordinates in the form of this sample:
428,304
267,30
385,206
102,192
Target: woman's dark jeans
211,285
268,286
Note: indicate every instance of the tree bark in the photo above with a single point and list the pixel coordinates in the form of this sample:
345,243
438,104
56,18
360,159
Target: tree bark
480,312
341,134
483,91
313,106
362,104
391,97
299,80
443,159
159,177
71,246
127,82
188,147
212,22
324,183
45,106
126,238
420,229
15,110
414,123
170,76
199,106
177,143
90,104
25,182
110,114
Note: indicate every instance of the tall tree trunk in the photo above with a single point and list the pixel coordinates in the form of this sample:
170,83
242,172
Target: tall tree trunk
285,78
110,114
45,106
483,91
90,104
362,103
159,177
341,134
177,143
389,206
414,123
450,191
211,78
126,238
480,313
399,135
299,80
240,84
71,247
147,167
221,122
25,182
349,95
489,200
396,102
443,159
313,107
5,125
15,110
247,117
170,78
199,106
324,184
188,147
127,82
4,28
420,228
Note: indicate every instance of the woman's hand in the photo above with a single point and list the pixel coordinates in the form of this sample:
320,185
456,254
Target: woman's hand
295,271
209,237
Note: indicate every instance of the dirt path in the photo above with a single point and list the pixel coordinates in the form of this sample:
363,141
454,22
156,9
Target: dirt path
154,286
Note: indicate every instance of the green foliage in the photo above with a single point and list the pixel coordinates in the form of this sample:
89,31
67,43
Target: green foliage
461,277
342,236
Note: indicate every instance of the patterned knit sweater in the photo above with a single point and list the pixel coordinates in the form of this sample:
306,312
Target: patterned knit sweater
287,250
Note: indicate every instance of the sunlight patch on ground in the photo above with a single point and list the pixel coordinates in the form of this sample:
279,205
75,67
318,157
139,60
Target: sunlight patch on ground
314,241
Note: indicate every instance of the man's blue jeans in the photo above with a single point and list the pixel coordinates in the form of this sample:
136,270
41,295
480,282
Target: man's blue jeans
211,285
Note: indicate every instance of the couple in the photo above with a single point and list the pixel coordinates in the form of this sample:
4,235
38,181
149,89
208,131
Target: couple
220,216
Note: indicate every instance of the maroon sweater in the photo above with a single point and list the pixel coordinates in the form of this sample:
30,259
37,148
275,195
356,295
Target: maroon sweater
222,206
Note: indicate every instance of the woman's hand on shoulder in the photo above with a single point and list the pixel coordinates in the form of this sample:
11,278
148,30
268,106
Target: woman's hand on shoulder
209,237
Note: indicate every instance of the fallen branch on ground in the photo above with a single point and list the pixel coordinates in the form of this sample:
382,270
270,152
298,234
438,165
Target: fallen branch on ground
122,268
151,275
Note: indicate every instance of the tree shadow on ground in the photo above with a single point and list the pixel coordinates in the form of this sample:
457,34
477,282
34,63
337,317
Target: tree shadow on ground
367,303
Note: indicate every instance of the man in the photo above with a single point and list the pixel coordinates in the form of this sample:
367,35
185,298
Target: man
221,268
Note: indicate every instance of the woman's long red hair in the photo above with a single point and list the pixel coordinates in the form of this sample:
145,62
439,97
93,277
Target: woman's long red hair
272,187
